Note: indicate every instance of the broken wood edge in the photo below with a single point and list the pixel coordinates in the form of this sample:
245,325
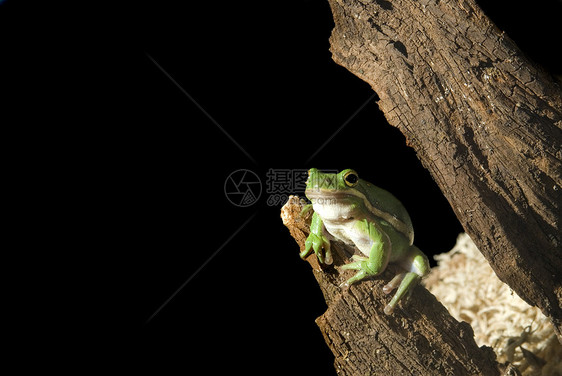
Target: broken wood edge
421,337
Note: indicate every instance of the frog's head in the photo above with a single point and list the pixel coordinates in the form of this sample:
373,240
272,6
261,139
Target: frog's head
344,196
336,195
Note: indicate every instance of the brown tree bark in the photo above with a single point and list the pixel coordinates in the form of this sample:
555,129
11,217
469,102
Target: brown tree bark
421,338
482,118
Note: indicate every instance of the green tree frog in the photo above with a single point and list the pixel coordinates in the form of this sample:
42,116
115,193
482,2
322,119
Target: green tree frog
355,212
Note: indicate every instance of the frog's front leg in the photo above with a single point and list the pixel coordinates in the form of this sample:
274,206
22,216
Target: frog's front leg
317,241
379,253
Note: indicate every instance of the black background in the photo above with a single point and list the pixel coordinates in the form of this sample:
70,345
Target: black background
264,73
151,93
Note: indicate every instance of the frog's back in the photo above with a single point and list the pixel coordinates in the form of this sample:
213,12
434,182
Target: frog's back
389,208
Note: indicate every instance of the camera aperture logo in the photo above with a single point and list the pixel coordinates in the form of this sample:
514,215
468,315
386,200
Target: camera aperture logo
242,188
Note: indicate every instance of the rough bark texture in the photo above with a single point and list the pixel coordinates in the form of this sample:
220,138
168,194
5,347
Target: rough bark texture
483,119
420,338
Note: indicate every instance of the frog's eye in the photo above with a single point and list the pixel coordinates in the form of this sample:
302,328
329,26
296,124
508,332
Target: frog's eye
351,178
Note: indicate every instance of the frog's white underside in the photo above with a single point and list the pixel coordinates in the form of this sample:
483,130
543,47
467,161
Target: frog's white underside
336,218
342,232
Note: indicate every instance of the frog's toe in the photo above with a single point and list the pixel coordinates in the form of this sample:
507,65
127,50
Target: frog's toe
320,257
394,283
353,266
328,260
304,254
359,258
389,309
324,256
406,285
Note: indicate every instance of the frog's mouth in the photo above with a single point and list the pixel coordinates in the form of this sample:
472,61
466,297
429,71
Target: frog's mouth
327,196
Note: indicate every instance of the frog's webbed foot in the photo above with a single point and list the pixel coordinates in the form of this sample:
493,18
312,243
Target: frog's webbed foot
321,247
317,240
362,265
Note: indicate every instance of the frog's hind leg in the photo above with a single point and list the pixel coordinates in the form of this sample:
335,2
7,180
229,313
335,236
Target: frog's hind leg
418,264
379,254
409,280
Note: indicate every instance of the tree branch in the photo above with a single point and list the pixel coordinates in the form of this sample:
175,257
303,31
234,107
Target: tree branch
483,119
